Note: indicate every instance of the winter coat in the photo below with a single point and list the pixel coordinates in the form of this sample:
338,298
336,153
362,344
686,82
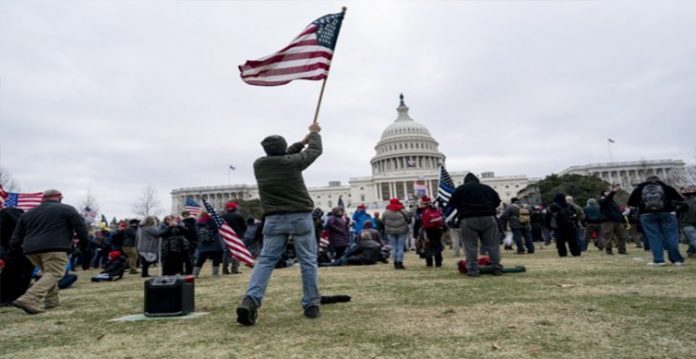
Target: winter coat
281,185
214,244
191,232
116,267
236,222
610,210
593,214
366,252
147,239
338,230
174,241
129,236
671,198
50,227
474,199
510,217
8,222
360,217
396,222
687,213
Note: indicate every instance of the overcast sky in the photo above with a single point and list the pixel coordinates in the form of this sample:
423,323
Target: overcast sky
111,96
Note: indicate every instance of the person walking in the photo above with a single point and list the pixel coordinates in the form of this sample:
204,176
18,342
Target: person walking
45,234
287,208
517,217
476,205
128,248
656,202
433,223
396,222
687,219
593,224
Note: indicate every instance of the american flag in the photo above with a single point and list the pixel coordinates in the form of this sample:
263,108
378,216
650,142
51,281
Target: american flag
445,188
324,241
192,207
232,241
23,201
421,189
89,212
307,57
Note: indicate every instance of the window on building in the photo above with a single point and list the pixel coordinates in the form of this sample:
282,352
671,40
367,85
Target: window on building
330,204
362,197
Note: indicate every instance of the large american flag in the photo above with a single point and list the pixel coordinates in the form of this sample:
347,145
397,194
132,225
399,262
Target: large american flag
307,57
232,241
445,188
192,207
24,201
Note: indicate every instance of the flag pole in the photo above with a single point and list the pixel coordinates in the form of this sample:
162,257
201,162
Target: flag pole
323,83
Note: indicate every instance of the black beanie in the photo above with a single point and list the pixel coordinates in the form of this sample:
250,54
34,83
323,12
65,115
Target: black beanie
274,145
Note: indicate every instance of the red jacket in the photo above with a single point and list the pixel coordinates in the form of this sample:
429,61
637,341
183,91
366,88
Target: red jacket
432,218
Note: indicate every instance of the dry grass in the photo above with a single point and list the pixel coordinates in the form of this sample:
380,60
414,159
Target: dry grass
590,307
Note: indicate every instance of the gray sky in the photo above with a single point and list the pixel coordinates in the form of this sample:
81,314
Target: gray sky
111,96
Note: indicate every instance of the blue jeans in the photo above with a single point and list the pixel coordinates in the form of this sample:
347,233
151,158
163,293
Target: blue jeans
690,234
662,230
276,230
398,243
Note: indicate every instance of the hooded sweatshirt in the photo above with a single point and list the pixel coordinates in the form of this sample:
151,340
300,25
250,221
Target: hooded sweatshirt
474,199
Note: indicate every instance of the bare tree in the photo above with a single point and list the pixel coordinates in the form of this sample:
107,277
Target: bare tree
7,182
89,201
148,204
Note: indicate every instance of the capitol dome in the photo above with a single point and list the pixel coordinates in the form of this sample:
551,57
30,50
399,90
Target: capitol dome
406,146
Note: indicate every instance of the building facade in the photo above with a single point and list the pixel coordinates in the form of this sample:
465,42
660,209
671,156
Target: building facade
630,174
406,164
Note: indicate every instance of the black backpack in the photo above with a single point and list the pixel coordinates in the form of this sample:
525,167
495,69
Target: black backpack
565,217
205,234
653,196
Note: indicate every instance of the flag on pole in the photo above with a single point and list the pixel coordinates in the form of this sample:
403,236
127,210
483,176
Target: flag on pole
23,201
89,212
445,188
610,140
104,220
307,57
192,207
232,241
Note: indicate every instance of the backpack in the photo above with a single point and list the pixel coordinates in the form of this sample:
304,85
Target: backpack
205,235
523,215
653,196
565,217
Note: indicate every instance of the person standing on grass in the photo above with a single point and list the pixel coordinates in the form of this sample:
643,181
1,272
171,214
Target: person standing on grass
687,219
148,245
433,224
656,202
562,220
238,224
287,208
45,234
338,226
131,253
613,229
476,205
593,223
517,217
396,222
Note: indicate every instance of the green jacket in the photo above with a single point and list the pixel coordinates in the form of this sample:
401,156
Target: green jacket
281,186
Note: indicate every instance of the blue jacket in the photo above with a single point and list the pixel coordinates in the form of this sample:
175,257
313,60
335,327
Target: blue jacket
215,242
360,217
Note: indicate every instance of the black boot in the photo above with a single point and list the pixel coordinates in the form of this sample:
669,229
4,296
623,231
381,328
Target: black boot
401,265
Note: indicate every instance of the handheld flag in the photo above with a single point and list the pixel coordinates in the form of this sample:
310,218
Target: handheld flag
445,188
23,201
192,207
610,140
307,57
232,241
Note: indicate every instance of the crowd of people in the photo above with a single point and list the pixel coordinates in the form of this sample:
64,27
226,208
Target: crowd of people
292,231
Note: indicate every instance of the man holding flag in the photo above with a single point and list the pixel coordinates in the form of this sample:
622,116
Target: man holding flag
287,209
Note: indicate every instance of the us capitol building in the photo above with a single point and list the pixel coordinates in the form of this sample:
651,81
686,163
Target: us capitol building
406,162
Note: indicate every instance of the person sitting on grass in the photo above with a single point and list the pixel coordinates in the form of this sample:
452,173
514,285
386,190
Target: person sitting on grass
366,252
114,268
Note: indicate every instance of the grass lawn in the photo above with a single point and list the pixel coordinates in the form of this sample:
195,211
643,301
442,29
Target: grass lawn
595,306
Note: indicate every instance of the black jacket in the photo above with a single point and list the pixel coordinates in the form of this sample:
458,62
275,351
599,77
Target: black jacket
8,222
50,227
191,231
236,221
672,197
474,199
129,236
609,209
